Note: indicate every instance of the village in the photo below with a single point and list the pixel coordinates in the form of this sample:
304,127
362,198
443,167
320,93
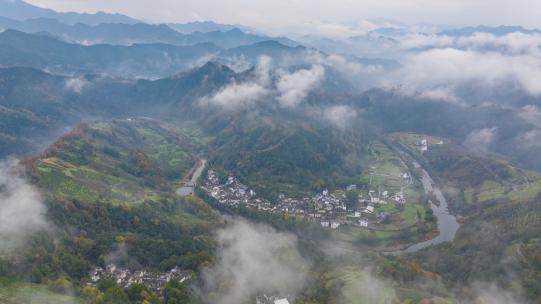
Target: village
154,281
330,209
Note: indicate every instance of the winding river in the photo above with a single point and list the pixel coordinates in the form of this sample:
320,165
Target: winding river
447,223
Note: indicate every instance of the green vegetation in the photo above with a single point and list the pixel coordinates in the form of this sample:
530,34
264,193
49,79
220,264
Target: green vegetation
468,179
384,168
109,188
292,159
121,162
406,223
13,292
500,219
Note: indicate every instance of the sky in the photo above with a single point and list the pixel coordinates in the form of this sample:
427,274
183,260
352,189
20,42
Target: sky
332,17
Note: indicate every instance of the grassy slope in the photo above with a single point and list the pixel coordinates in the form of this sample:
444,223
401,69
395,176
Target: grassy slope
120,162
12,292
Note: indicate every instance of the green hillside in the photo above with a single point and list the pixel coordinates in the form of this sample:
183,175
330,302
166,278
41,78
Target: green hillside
121,162
297,159
109,188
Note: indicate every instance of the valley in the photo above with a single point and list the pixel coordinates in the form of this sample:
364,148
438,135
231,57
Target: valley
286,161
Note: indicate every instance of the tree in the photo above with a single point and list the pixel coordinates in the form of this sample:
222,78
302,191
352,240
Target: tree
106,283
61,285
138,293
116,295
352,197
177,293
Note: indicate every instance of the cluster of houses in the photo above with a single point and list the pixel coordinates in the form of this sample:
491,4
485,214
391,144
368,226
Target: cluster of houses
329,209
154,281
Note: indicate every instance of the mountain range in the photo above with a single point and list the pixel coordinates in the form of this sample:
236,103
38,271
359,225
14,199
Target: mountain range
21,10
373,171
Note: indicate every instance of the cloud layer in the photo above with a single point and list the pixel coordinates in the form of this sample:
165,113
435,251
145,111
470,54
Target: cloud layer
289,90
480,140
254,259
22,212
294,87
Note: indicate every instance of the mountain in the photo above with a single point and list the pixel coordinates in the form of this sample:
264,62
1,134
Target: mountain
236,37
42,101
206,26
153,60
261,152
371,45
133,33
21,10
36,106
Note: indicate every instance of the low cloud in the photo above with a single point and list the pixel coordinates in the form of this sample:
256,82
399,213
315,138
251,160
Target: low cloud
244,94
294,87
76,85
367,288
512,43
440,71
341,63
491,294
531,114
339,116
236,95
480,140
290,90
254,259
22,212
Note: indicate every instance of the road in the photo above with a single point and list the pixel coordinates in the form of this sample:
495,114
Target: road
188,182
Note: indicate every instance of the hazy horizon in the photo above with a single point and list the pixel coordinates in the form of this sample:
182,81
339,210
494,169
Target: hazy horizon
328,18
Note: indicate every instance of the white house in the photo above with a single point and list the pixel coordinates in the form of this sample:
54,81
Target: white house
363,222
281,301
335,225
424,145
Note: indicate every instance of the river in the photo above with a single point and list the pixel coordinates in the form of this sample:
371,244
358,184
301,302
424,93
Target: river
447,223
188,187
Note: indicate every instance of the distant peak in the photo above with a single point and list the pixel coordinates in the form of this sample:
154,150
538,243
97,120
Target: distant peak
235,30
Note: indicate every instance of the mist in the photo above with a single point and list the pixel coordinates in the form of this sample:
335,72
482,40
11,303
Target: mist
254,259
22,211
